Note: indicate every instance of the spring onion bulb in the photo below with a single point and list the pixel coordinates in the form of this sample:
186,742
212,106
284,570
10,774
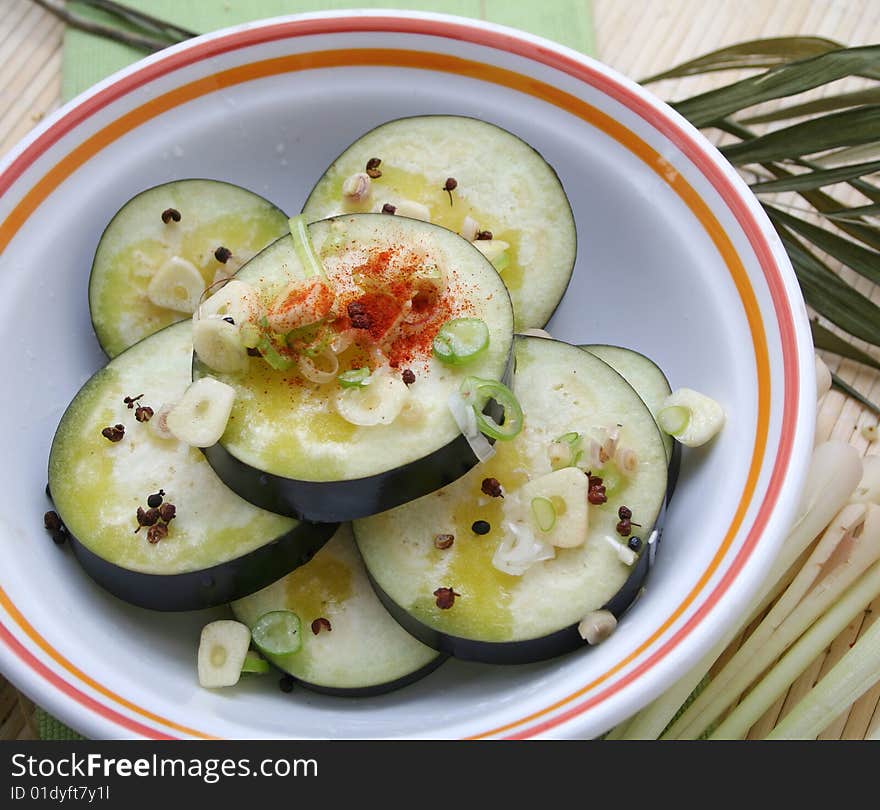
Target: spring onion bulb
823,378
868,489
839,558
846,682
834,472
810,645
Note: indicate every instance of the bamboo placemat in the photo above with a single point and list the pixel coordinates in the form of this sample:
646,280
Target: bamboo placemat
637,37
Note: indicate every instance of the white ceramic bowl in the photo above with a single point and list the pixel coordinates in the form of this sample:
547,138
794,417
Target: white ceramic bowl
675,259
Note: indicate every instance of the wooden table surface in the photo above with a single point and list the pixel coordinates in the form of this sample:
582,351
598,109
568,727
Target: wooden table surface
638,38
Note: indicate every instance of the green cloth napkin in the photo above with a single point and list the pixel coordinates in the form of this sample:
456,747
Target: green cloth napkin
88,59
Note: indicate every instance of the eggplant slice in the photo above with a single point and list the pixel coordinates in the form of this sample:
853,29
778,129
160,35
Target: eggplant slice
214,226
503,189
218,547
286,446
360,650
498,617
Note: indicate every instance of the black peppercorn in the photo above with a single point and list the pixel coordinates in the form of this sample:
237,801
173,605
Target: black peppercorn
154,501
634,543
481,527
285,684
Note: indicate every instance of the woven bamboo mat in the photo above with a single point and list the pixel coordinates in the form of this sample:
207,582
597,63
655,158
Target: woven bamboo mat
637,37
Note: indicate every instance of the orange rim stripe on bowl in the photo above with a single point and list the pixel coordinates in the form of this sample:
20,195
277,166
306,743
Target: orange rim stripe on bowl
437,62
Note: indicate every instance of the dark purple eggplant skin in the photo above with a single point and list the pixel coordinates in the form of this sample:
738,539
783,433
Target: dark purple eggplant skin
336,501
208,587
349,499
673,470
527,651
375,689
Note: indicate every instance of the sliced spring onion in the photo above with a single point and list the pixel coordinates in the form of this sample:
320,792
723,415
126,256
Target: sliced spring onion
478,392
461,340
464,417
544,513
354,377
278,633
305,251
272,356
674,419
572,439
502,262
255,664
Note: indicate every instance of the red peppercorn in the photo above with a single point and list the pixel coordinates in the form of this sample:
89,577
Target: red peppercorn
170,215
321,624
114,433
597,498
624,528
624,514
492,488
167,511
388,208
483,236
373,168
445,598
443,541
146,517
157,533
143,413
408,377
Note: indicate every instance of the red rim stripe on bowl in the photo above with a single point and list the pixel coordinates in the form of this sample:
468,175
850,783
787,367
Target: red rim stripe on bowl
683,139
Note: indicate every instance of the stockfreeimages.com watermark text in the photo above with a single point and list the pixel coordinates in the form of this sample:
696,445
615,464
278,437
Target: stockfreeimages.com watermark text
209,770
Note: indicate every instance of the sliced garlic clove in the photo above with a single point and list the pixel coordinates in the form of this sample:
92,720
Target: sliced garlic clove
469,229
222,649
217,343
413,210
491,248
690,417
201,416
235,299
177,285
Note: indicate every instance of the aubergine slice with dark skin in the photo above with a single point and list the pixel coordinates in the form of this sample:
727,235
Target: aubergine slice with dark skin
195,230
217,548
351,646
515,600
501,189
651,385
323,451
